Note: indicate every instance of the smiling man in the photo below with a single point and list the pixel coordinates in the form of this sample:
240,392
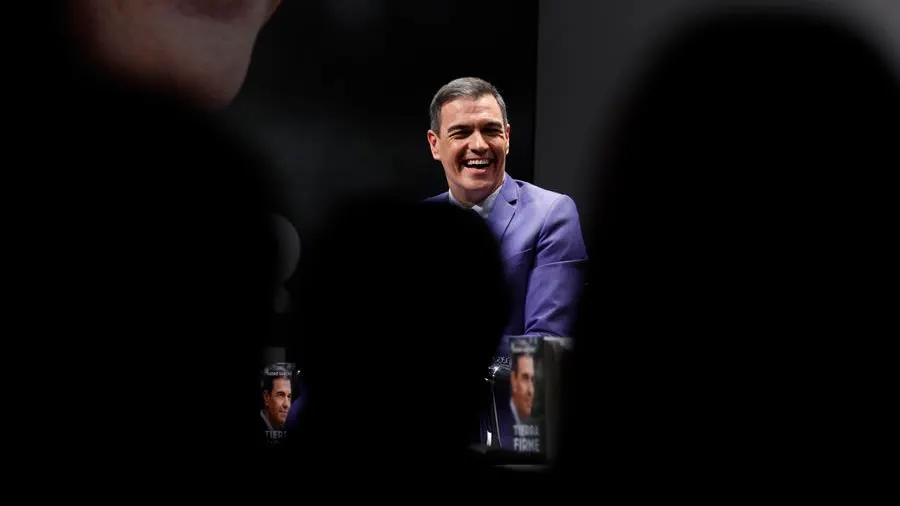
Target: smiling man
539,230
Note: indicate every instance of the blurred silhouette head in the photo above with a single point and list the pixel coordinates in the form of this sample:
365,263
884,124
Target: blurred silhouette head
404,304
753,152
197,48
167,224
742,215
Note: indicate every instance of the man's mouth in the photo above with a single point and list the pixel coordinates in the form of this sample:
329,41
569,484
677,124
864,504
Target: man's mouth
477,163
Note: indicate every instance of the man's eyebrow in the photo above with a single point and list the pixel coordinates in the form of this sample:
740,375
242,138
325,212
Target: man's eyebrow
455,128
466,126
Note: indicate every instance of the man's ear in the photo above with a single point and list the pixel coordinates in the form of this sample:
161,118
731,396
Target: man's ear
507,137
433,144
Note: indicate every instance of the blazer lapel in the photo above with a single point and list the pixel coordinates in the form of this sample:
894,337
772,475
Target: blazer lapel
504,208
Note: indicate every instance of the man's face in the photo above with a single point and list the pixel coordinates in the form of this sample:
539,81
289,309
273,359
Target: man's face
522,384
472,146
201,48
278,401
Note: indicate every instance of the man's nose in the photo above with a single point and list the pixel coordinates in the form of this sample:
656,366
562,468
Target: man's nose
477,143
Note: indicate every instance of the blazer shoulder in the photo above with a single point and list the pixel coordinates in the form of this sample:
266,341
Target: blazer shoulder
535,195
442,197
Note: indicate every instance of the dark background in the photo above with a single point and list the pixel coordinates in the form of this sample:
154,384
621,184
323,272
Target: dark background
337,95
589,57
338,92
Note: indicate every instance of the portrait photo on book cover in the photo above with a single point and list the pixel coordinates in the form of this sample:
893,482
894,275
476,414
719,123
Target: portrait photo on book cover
520,417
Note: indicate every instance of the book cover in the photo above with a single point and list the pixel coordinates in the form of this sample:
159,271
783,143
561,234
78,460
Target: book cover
277,388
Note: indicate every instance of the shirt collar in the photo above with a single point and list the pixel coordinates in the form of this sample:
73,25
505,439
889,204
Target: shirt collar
483,209
266,419
515,412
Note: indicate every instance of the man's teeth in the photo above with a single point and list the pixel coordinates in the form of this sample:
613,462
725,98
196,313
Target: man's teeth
477,163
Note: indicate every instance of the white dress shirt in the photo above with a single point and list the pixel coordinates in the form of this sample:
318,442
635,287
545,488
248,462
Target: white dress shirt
266,419
483,209
515,412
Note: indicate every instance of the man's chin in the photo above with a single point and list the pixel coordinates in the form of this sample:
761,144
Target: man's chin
479,185
478,177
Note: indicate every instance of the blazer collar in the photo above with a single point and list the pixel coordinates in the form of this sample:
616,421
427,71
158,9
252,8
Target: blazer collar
504,207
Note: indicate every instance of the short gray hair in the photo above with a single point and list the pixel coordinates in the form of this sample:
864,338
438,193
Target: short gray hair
463,87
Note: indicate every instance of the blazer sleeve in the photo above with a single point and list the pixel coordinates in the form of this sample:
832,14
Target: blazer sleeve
556,281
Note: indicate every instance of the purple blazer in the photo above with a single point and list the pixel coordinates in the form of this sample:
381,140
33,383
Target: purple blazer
544,256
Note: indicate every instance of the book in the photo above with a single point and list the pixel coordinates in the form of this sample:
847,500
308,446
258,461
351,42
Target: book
525,383
278,385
